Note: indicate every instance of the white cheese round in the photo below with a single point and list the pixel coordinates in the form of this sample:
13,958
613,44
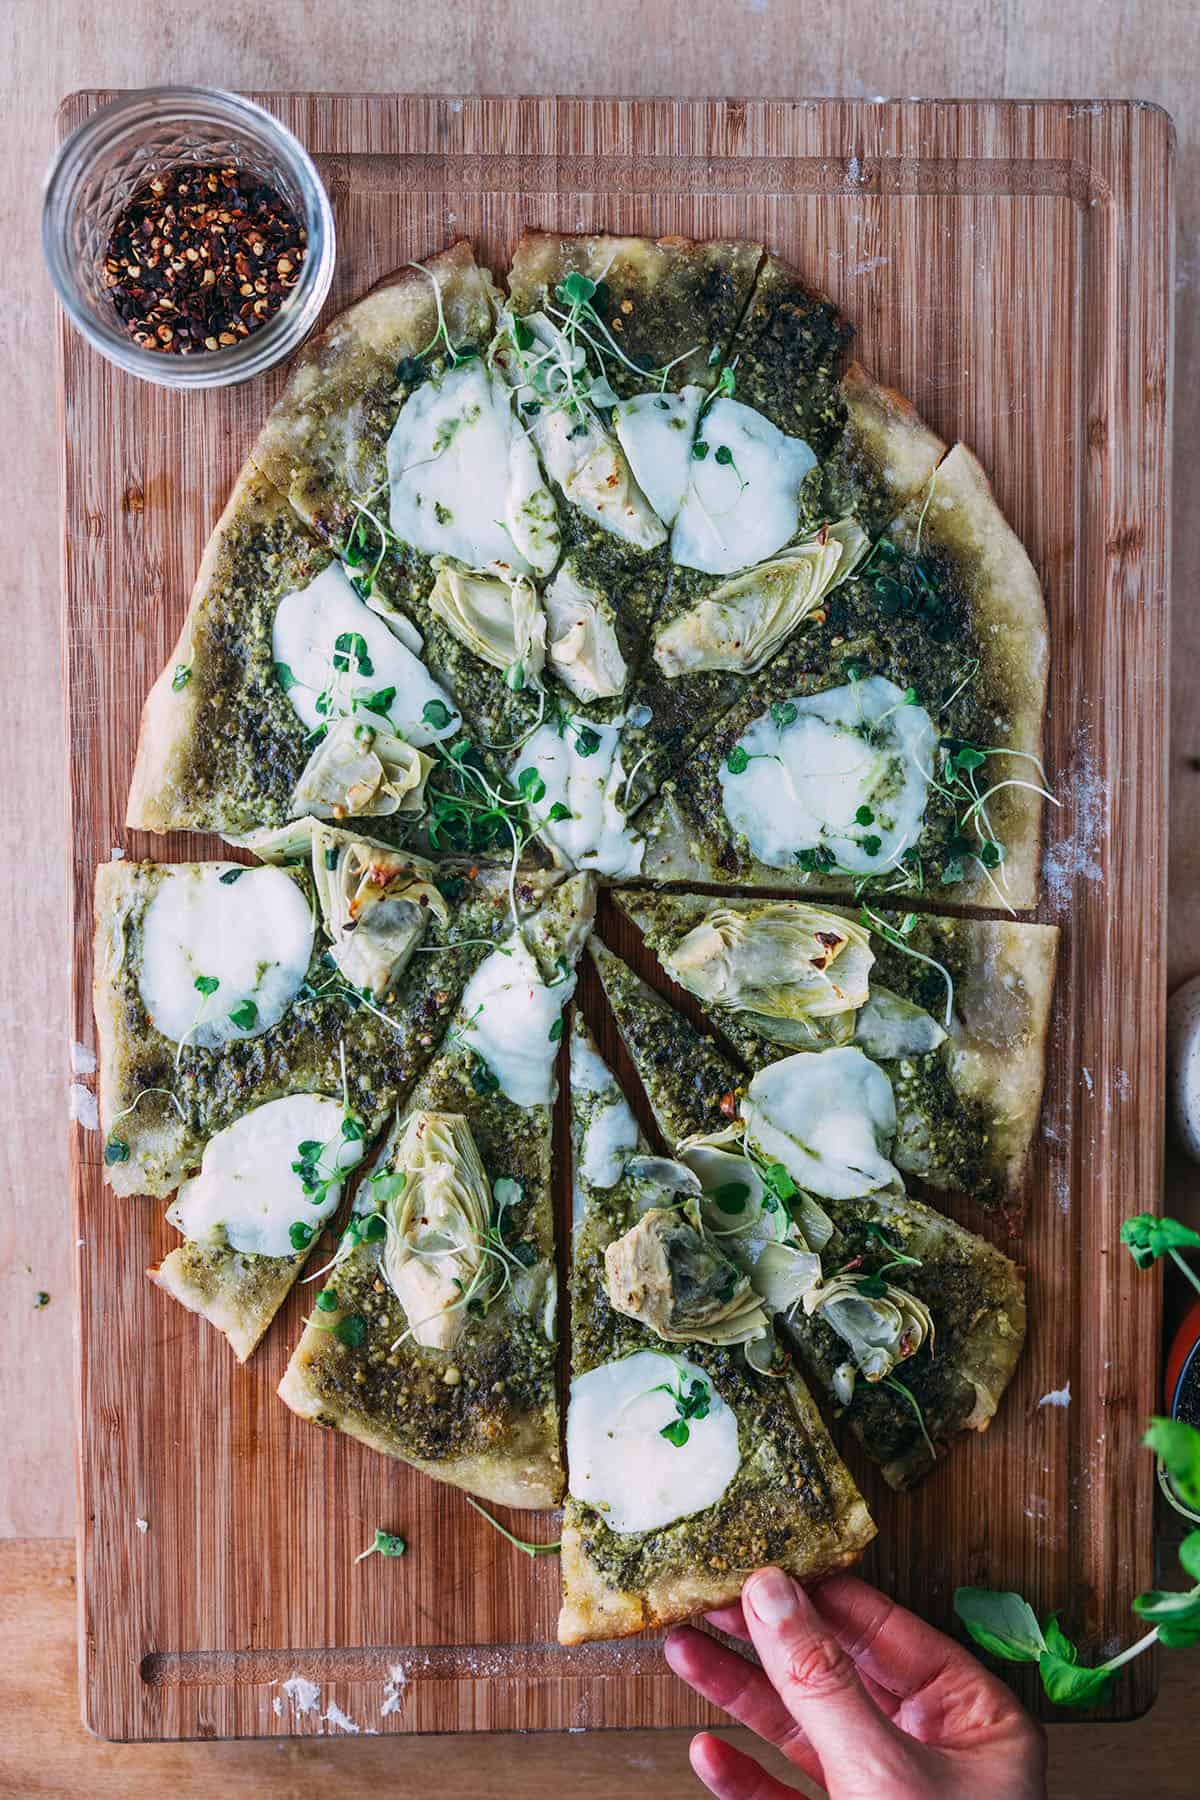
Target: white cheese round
854,749
621,1464
247,1194
592,788
511,1013
252,935
656,432
612,1134
828,1116
459,477
743,499
304,644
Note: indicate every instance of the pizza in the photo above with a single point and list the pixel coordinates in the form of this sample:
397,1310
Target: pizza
617,569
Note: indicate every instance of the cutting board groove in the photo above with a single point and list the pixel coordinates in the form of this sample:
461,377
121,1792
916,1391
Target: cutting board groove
1008,265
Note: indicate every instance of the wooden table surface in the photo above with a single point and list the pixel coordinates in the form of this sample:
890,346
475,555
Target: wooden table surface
1017,48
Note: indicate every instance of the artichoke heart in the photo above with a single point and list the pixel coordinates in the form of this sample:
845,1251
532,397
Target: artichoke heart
879,1329
584,652
361,769
500,621
743,622
889,1026
784,963
666,1273
437,1225
375,905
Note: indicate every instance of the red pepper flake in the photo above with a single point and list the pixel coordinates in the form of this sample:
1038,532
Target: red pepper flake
200,258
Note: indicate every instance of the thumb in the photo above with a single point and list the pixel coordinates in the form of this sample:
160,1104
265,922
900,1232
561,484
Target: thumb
818,1683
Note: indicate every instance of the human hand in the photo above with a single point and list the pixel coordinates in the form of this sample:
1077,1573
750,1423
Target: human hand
863,1696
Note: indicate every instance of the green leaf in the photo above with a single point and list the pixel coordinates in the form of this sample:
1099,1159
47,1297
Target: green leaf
1067,1684
731,1196
351,1331
206,985
723,455
872,844
301,1235
991,853
737,762
952,873
699,450
230,876
783,714
525,1254
352,1128
506,1192
387,1187
779,1181
244,1015
381,701
180,678
1179,1611
116,1151
587,741
726,384
350,651
372,1229
522,335
559,811
284,677
1189,1555
483,1080
1178,1447
967,757
386,1544
1057,1641
873,1286
1147,1237
327,1300
436,714
1001,1623
864,816
576,290
676,1433
531,786
556,1030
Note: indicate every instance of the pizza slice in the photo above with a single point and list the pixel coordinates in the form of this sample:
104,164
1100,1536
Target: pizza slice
955,1011
695,1452
433,1338
798,460
244,1013
908,1324
894,744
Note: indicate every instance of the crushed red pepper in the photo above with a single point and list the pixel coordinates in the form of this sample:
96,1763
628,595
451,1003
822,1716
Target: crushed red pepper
201,257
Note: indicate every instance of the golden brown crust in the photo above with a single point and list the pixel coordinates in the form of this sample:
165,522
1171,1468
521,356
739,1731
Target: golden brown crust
891,431
239,1295
324,441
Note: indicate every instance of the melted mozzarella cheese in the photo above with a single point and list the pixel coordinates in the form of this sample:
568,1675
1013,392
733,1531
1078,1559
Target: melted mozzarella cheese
253,936
459,476
611,1136
656,433
511,1013
743,501
852,748
247,1194
621,1464
828,1116
591,787
304,640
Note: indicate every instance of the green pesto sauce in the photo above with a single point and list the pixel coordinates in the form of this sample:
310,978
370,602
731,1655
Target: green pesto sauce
781,1462
687,1080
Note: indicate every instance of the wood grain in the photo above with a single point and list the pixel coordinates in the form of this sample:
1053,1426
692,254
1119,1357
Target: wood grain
986,254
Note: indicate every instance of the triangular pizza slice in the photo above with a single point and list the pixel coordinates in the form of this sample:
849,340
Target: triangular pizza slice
256,1028
695,1453
433,1336
909,1324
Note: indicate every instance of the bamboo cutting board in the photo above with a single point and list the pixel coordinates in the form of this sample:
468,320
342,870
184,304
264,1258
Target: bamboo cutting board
1008,266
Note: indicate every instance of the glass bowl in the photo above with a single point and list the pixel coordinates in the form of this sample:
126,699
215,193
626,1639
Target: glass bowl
118,150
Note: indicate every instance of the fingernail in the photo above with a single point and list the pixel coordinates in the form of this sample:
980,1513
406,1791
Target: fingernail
772,1597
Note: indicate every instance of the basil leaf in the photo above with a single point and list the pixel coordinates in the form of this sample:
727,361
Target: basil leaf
244,1015
1147,1237
1002,1623
1178,1447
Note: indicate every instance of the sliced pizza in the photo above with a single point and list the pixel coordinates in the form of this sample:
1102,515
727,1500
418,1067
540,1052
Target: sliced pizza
244,1013
893,744
955,1011
433,1338
906,1322
695,1452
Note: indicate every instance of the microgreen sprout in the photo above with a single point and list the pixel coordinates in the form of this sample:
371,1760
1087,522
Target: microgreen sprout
897,936
910,1400
693,1400
206,986
386,1544
521,1544
181,677
1147,1236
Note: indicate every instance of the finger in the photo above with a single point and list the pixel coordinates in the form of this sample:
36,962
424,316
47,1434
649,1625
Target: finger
941,1685
731,1774
731,1620
816,1680
741,1690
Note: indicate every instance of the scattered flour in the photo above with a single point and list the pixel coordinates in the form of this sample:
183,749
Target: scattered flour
82,1108
869,263
333,1715
394,1691
1086,802
854,172
83,1060
116,854
1057,1397
304,1695
143,1525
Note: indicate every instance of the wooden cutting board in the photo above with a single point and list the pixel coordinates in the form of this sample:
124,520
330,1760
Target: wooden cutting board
1009,267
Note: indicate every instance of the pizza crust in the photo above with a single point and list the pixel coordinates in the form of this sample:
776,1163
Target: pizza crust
892,433
239,1295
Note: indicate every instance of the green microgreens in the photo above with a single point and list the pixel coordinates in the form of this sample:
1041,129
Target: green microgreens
739,759
244,1015
521,1544
41,1299
957,783
116,1150
206,986
498,1259
317,1174
693,1400
1007,1626
1147,1236
386,1544
875,1284
232,875
180,678
897,936
455,355
583,300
